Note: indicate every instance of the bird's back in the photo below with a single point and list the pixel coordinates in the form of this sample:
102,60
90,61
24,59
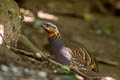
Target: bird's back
81,57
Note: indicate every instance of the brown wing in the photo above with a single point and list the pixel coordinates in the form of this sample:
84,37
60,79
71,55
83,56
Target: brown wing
81,57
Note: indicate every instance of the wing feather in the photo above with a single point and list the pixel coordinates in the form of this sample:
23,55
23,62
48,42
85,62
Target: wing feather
83,57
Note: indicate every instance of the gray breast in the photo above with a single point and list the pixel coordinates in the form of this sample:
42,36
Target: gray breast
58,50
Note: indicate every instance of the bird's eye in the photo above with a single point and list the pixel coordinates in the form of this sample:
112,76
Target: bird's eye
47,25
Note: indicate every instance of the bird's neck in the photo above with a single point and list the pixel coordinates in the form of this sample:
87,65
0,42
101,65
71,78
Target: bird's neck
54,34
56,42
57,48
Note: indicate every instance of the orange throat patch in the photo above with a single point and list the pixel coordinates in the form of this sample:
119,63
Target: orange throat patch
54,34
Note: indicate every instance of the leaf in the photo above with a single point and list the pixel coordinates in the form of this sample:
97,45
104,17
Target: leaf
65,68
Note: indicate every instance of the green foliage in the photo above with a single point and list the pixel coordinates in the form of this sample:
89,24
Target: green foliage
88,16
65,68
107,30
11,11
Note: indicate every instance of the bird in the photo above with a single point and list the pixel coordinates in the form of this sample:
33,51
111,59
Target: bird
67,53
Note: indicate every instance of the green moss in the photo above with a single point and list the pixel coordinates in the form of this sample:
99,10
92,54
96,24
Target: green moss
11,11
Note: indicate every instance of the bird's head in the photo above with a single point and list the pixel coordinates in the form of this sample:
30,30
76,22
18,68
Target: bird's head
51,29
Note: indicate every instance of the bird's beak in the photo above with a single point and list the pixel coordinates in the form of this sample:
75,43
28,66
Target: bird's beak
42,25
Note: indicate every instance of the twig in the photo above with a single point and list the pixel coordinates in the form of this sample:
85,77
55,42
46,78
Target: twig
108,62
75,70
38,56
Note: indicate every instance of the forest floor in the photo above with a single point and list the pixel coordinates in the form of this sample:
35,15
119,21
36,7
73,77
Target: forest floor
98,32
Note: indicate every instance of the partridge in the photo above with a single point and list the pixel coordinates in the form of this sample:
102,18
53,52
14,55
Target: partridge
78,57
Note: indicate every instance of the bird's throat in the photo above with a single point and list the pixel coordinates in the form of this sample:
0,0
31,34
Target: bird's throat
54,34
